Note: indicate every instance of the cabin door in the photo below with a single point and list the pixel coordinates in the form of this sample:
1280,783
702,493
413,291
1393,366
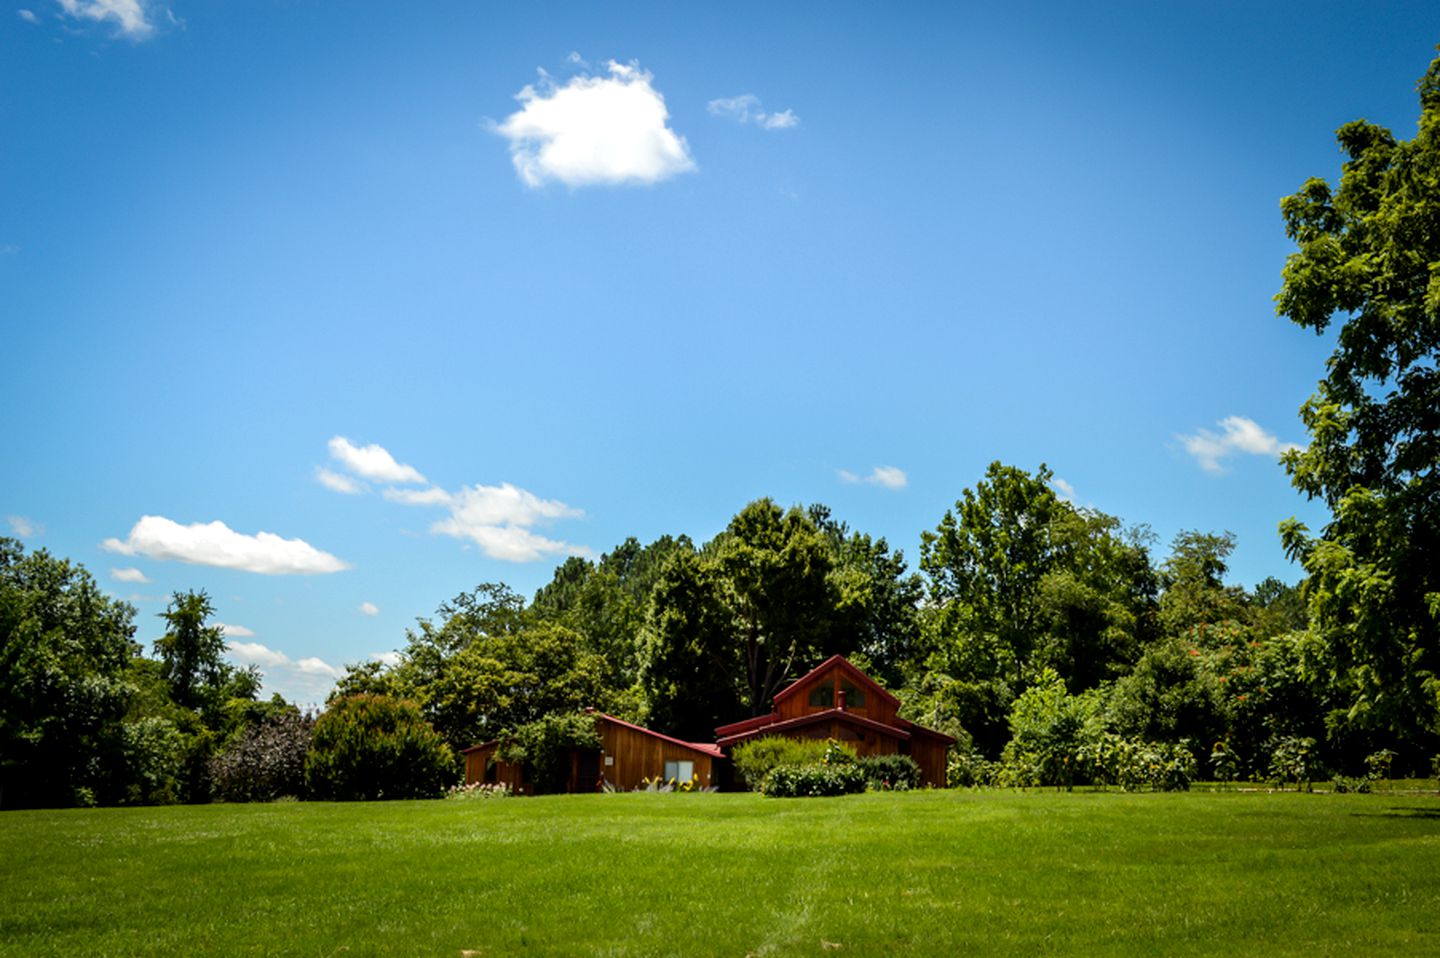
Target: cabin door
587,771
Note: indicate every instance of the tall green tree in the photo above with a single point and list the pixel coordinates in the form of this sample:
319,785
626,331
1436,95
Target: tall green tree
65,650
1368,263
192,651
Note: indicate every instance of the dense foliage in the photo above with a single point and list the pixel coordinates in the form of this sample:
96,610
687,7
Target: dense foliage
754,759
369,747
545,745
265,761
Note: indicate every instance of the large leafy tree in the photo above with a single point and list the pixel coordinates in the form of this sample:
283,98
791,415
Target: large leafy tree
1368,263
65,649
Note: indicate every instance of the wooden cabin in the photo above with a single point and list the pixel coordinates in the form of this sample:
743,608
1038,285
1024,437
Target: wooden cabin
628,754
836,700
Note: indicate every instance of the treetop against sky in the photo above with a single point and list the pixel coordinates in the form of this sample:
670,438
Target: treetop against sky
337,310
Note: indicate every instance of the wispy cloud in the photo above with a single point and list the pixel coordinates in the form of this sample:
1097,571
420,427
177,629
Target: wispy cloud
1238,435
1062,488
129,16
128,575
238,631
746,108
305,681
216,544
24,528
371,462
27,15
604,130
388,659
338,483
499,519
369,608
890,477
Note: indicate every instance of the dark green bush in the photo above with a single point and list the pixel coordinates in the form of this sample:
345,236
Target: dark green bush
890,772
544,748
266,761
372,747
1341,784
754,759
812,781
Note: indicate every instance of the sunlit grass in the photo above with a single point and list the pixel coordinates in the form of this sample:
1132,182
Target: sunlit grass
931,872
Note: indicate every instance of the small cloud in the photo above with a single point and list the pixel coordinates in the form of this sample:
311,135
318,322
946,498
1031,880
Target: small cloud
303,681
338,483
595,131
372,462
575,59
746,108
239,631
128,15
498,519
369,608
216,544
387,659
1062,488
128,575
891,477
25,528
27,15
1238,435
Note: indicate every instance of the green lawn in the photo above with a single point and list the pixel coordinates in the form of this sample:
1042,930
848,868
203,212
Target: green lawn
928,872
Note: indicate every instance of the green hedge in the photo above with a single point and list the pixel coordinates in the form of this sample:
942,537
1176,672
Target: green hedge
812,781
754,759
887,773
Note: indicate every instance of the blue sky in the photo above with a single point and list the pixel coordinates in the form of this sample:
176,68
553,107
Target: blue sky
593,271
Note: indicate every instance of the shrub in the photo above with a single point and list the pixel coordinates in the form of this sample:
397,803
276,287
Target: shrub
1293,759
1341,784
754,759
813,781
970,770
544,747
1135,764
265,761
897,773
372,747
478,790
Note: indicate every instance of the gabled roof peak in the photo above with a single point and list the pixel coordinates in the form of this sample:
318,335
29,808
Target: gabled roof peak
859,678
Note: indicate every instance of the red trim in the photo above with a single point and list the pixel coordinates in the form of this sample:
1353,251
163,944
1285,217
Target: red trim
860,678
712,750
925,732
814,718
734,727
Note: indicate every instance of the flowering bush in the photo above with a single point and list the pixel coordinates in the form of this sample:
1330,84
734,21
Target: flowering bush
264,762
478,790
812,781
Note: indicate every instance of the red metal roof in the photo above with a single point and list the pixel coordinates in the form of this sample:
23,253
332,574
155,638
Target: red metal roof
860,678
839,715
711,750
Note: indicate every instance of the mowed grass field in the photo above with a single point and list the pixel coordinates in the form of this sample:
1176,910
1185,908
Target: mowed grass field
988,872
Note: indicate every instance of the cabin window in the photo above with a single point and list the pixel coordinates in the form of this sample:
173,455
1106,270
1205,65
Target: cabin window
679,771
854,698
823,696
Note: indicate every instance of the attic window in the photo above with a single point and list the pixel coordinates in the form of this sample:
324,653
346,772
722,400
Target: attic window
823,696
854,698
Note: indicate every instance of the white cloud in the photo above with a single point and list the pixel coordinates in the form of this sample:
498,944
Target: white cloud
371,462
1062,488
498,519
387,659
25,528
891,477
27,15
369,608
306,682
216,544
128,15
128,575
434,496
1238,435
236,630
595,130
338,483
746,108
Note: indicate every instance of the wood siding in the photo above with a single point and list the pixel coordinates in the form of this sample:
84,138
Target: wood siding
796,704
637,755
